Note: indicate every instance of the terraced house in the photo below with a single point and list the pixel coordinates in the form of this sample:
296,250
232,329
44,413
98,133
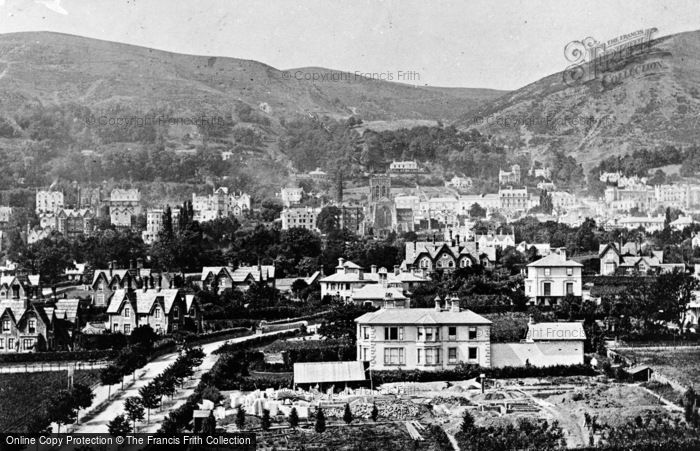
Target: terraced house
220,278
165,310
25,327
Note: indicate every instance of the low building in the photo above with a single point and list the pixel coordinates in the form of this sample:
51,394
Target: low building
425,338
546,344
445,256
220,278
552,278
459,182
404,167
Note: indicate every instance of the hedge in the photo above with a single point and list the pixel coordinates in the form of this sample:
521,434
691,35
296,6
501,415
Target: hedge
58,356
463,372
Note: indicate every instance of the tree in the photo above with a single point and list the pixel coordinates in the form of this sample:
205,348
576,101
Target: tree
320,425
109,376
150,398
134,409
209,424
61,408
467,422
293,418
119,426
347,415
143,335
240,418
82,397
328,219
477,211
265,421
375,412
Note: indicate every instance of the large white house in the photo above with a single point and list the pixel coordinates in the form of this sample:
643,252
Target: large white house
552,278
423,338
349,284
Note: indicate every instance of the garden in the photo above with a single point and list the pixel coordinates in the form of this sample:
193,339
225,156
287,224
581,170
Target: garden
26,396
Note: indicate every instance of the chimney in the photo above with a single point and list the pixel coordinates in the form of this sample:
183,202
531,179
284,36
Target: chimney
111,269
139,263
455,304
531,320
437,303
457,238
374,269
397,270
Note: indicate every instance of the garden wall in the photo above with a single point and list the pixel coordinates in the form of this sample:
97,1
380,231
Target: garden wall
545,353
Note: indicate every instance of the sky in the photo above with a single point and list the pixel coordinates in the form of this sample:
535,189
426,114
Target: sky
502,44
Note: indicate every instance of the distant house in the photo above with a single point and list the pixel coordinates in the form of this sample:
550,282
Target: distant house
77,273
219,204
163,309
73,223
404,167
682,222
552,278
300,217
460,182
446,256
220,278
48,201
629,261
284,285
123,205
291,196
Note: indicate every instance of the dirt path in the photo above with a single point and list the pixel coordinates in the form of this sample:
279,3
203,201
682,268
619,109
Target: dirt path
570,424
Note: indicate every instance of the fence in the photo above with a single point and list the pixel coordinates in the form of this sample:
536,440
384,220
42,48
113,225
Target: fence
38,367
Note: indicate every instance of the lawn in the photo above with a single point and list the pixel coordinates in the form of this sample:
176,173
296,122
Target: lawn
680,365
22,394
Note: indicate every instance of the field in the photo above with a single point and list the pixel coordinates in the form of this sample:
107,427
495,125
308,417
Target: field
23,393
679,364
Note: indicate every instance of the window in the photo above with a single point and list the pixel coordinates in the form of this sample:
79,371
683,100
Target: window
365,333
569,271
156,313
452,333
547,288
419,357
27,344
473,353
127,312
127,329
2,343
115,328
10,344
6,325
569,288
472,333
393,333
365,354
432,356
452,355
176,313
393,356
31,326
548,271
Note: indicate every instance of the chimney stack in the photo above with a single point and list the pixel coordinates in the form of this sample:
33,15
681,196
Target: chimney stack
374,269
437,303
397,270
455,304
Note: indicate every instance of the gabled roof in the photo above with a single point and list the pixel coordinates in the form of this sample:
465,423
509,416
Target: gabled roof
145,301
553,260
67,309
215,270
119,273
420,316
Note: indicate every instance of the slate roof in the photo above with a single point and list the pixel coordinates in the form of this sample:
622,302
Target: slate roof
375,291
553,260
144,300
421,315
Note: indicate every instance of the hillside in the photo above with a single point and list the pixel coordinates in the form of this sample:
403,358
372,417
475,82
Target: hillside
658,104
53,68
